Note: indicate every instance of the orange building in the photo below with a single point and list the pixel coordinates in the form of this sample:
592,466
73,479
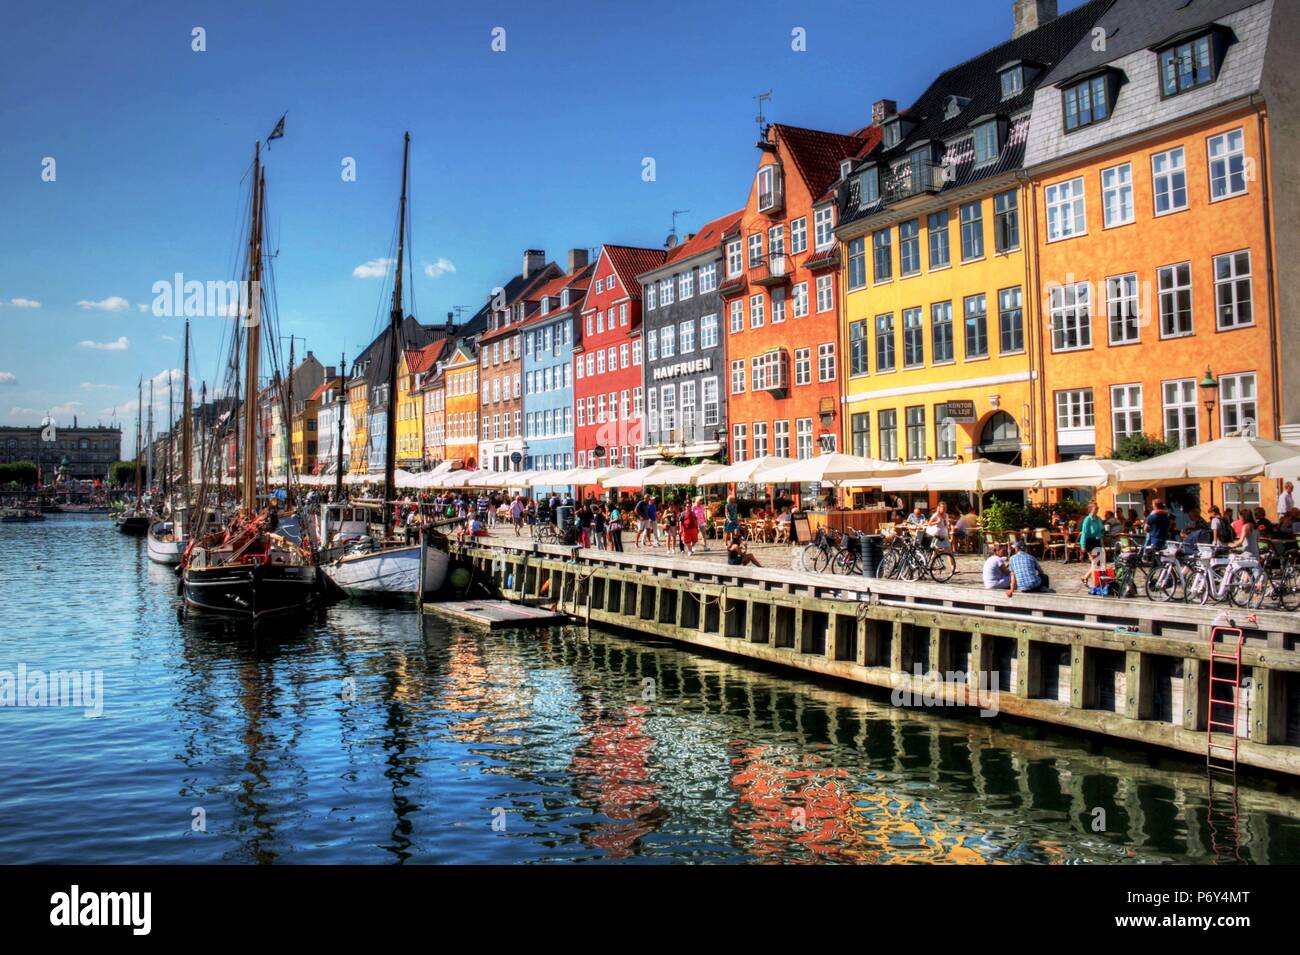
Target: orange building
779,297
1152,258
461,406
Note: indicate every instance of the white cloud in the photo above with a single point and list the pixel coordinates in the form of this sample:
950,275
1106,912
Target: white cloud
8,378
114,303
24,303
92,386
165,338
65,410
143,307
120,345
439,268
374,269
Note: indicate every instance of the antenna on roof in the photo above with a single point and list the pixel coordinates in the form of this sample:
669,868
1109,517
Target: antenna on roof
760,118
672,236
459,310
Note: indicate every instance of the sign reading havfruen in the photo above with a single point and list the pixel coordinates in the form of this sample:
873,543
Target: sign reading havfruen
682,368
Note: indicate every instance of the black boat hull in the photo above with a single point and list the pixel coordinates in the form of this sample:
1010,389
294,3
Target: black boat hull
251,591
137,525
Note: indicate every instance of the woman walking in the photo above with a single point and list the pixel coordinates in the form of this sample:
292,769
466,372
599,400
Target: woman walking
731,519
690,529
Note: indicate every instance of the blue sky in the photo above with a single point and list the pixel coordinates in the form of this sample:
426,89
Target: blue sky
539,146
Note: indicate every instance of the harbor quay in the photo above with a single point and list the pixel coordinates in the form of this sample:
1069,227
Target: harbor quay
1130,670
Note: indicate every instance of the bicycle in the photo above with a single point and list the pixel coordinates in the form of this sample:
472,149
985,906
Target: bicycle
1169,575
848,559
1274,576
919,558
819,552
1231,579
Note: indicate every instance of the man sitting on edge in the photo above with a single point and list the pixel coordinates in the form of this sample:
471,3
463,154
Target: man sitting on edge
1026,573
995,569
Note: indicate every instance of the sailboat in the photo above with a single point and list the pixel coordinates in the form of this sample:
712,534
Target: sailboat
135,519
248,570
361,565
169,533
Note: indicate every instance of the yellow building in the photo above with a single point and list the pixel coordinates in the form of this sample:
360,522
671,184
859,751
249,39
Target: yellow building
358,428
941,337
461,373
410,414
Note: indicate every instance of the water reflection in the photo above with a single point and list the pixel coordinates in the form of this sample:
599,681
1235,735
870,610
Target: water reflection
372,735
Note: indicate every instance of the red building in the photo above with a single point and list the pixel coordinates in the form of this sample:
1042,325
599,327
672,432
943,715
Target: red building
607,362
780,296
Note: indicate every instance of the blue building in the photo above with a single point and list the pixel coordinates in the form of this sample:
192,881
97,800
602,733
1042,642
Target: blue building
548,338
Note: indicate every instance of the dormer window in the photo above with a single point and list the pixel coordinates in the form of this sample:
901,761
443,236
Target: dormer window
892,134
769,188
546,304
1088,101
988,144
846,166
1013,81
869,186
953,105
564,298
1189,62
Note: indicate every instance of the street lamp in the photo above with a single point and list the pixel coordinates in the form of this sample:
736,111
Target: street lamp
1209,395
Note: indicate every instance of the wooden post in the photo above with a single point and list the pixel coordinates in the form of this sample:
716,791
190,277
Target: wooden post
1078,677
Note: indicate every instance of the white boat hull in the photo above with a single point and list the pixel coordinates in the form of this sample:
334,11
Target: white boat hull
393,571
164,551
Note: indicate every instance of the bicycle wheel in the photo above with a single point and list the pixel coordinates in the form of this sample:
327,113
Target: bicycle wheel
912,568
1288,587
942,566
845,563
1246,588
817,561
889,564
1162,583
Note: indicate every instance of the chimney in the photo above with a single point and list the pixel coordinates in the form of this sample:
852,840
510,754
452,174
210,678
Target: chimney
1029,15
534,262
881,110
330,373
451,321
577,260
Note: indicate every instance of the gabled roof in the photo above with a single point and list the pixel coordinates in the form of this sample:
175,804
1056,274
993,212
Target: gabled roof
871,136
709,237
322,388
423,359
528,291
576,283
630,261
817,153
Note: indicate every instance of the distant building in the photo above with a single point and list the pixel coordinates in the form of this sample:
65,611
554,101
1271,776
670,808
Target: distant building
87,451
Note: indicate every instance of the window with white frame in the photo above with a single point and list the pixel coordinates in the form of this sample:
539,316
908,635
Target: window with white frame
688,420
737,315
737,443
668,409
803,366
1117,195
1071,315
1074,409
636,352
756,310
760,439
709,331
1180,412
1232,294
665,295
755,243
600,362
1238,409
1169,181
651,296
826,358
914,419
622,314
685,338
913,339
824,228
1066,213
652,344
1227,164
652,413
636,402
799,235
712,407
685,285
781,432
735,257
622,355
800,300
767,197
708,277
803,438
825,292
738,377
1174,291
776,240
1122,308
778,306
668,341
1239,496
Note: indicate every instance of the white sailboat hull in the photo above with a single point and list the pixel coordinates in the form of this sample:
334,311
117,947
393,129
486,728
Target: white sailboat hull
393,571
164,551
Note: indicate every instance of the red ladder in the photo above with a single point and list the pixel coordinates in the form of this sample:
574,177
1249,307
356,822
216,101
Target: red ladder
1221,755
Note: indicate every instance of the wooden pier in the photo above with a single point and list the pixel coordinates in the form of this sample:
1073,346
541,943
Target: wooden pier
494,614
1133,670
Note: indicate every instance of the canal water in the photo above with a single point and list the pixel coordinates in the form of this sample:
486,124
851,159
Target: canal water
374,736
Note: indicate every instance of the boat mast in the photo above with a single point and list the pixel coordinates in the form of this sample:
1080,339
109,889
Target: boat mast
252,356
186,422
139,423
287,405
395,335
342,403
171,437
149,478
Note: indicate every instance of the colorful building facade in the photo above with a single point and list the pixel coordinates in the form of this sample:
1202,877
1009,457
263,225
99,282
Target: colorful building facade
462,410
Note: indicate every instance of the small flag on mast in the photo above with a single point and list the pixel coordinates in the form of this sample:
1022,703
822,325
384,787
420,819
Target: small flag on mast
277,133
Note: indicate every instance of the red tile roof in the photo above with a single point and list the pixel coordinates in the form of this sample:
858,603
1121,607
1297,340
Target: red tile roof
322,388
422,359
817,154
577,284
709,236
629,262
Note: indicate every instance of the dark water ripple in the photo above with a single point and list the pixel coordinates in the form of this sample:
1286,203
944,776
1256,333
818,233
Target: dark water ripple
374,736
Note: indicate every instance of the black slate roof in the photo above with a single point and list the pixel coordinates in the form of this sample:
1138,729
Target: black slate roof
977,80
